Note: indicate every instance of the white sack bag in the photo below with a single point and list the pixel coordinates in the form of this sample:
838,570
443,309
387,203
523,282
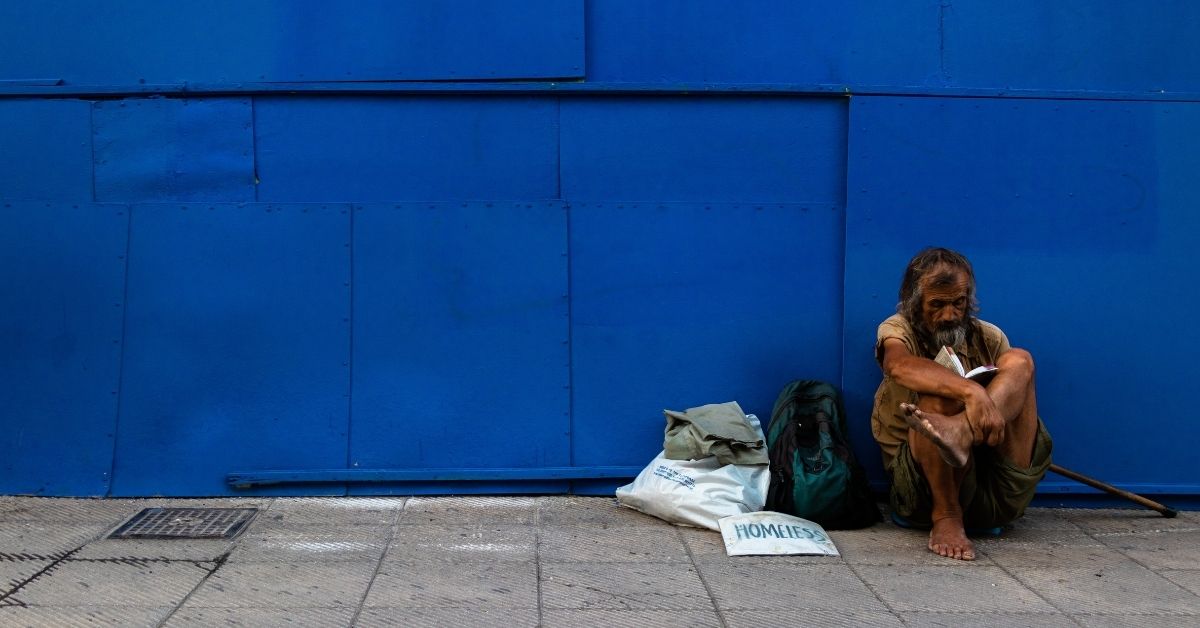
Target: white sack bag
698,492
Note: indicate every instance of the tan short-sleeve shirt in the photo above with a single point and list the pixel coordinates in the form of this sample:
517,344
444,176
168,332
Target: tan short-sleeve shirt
887,421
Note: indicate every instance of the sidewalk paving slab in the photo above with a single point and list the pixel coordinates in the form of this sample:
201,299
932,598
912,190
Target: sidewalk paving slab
472,543
1119,589
81,616
197,617
100,583
987,620
827,587
559,544
558,618
478,586
985,589
383,617
285,585
623,586
792,618
312,544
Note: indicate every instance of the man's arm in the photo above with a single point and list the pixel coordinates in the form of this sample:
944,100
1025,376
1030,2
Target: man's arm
926,377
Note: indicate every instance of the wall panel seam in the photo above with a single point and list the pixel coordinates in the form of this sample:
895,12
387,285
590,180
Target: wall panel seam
584,89
121,352
351,209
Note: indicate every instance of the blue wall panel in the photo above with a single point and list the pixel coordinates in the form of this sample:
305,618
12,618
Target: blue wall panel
385,149
703,149
129,42
46,150
460,338
875,45
62,274
678,305
1079,218
198,149
1109,45
776,41
237,351
1085,172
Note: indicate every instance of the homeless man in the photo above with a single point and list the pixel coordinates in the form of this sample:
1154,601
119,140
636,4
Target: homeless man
960,455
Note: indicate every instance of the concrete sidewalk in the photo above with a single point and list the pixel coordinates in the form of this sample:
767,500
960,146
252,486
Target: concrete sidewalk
574,561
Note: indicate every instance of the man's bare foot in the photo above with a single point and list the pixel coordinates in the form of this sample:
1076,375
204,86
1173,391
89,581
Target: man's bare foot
949,539
952,435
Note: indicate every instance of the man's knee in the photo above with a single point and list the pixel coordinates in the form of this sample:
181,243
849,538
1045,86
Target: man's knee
1016,359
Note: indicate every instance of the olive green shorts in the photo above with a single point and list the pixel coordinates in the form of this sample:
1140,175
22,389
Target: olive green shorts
994,491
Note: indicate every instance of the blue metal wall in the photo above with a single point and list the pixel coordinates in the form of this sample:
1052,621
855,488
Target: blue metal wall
449,236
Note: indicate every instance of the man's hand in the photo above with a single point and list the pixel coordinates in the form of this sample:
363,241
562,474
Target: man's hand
985,419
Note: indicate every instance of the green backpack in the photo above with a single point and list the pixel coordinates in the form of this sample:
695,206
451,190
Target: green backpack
814,475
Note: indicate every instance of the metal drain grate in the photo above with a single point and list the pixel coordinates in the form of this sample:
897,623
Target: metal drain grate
185,523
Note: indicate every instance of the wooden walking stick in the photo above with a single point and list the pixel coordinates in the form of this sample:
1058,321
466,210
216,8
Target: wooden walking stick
1169,513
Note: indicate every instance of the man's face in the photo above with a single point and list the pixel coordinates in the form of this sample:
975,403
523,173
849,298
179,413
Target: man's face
944,305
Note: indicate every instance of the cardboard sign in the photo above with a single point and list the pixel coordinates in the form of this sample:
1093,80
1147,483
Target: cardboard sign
773,533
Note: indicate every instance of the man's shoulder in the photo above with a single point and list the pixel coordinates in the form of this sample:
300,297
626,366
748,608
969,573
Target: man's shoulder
993,337
990,331
893,325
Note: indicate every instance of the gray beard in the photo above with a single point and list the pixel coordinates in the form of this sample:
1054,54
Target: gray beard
950,336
